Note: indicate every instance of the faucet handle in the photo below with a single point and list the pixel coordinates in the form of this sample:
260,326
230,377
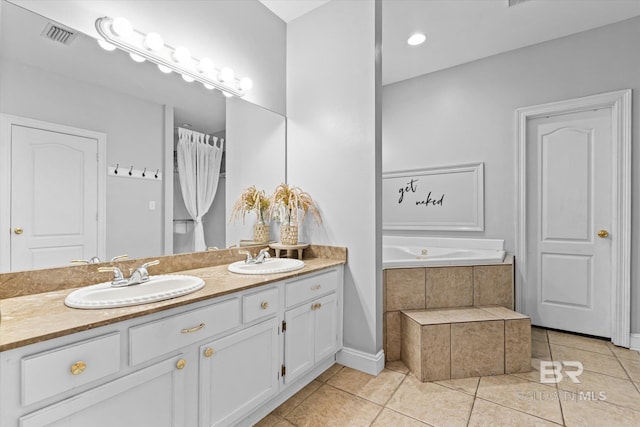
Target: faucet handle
119,257
118,277
248,254
150,263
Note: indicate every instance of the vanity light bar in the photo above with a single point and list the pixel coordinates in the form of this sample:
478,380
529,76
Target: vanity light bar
172,59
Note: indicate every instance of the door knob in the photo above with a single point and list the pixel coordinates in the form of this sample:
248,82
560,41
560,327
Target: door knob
18,230
603,233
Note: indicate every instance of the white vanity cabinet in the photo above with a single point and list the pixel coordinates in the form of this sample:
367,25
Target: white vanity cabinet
217,362
311,322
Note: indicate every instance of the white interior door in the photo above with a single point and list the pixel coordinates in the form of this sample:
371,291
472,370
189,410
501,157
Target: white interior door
569,201
54,198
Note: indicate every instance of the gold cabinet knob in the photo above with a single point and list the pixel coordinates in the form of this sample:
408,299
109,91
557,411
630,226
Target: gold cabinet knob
78,368
264,305
18,230
181,364
603,234
208,352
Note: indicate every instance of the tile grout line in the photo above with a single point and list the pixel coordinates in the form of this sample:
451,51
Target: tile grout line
520,411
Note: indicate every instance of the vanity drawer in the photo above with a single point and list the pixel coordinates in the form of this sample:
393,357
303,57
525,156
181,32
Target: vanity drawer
260,304
165,335
48,374
310,287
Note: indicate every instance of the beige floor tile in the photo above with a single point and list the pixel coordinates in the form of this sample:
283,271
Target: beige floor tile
283,423
268,421
591,361
539,334
431,403
376,389
522,395
534,375
616,390
466,385
624,353
584,413
577,341
389,418
397,366
632,367
487,414
540,350
324,377
329,406
291,403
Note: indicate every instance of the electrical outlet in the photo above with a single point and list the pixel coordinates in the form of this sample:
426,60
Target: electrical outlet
152,205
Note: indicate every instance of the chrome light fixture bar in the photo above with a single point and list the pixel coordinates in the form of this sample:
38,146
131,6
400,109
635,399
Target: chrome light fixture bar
141,47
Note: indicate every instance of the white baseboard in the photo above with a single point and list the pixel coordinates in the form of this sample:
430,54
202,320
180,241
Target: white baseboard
371,364
634,342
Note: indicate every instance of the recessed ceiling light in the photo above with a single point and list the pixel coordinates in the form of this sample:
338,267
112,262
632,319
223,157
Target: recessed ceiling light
416,39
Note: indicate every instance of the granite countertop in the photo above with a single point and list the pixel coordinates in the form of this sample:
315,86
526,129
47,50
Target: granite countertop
33,318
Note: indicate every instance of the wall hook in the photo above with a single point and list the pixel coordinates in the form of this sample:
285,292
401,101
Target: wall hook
116,170
131,171
144,172
157,172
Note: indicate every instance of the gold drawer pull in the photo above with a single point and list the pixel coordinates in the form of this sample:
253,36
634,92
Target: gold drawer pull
78,368
316,306
194,329
264,305
315,287
181,364
208,352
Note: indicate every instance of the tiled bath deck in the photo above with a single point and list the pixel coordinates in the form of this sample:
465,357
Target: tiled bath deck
344,397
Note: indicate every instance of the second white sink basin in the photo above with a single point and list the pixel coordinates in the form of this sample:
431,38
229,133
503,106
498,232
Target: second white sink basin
158,288
269,266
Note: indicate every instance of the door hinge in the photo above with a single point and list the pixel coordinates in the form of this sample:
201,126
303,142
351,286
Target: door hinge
283,370
284,326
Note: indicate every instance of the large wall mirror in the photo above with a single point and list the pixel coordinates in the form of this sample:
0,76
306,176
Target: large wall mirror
133,111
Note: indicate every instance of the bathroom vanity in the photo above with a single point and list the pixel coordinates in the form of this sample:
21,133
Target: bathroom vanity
225,355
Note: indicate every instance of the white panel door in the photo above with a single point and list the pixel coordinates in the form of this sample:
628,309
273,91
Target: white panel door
569,186
299,341
326,327
54,198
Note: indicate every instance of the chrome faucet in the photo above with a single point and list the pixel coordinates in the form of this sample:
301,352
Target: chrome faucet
140,275
259,259
96,260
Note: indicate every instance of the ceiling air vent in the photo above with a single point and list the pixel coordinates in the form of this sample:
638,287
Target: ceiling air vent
58,33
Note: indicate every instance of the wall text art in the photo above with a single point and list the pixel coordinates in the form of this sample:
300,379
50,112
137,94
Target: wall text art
434,198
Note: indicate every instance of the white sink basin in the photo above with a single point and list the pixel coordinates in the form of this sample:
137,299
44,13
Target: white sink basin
270,266
158,288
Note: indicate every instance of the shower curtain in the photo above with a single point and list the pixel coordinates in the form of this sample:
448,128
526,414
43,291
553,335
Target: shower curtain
198,170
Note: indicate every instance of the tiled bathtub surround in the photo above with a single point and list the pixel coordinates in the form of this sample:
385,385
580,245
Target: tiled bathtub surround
442,287
442,344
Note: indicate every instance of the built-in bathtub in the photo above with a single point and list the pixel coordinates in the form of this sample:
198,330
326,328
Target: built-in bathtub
407,252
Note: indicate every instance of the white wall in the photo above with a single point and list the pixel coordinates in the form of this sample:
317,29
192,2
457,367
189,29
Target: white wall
331,148
255,156
134,129
466,114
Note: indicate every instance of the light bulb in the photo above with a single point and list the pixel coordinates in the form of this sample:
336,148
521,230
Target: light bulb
106,45
164,68
153,41
122,27
245,84
226,75
187,78
206,66
227,94
137,57
416,39
181,55
208,86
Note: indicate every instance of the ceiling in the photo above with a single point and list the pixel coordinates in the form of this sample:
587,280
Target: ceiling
460,31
